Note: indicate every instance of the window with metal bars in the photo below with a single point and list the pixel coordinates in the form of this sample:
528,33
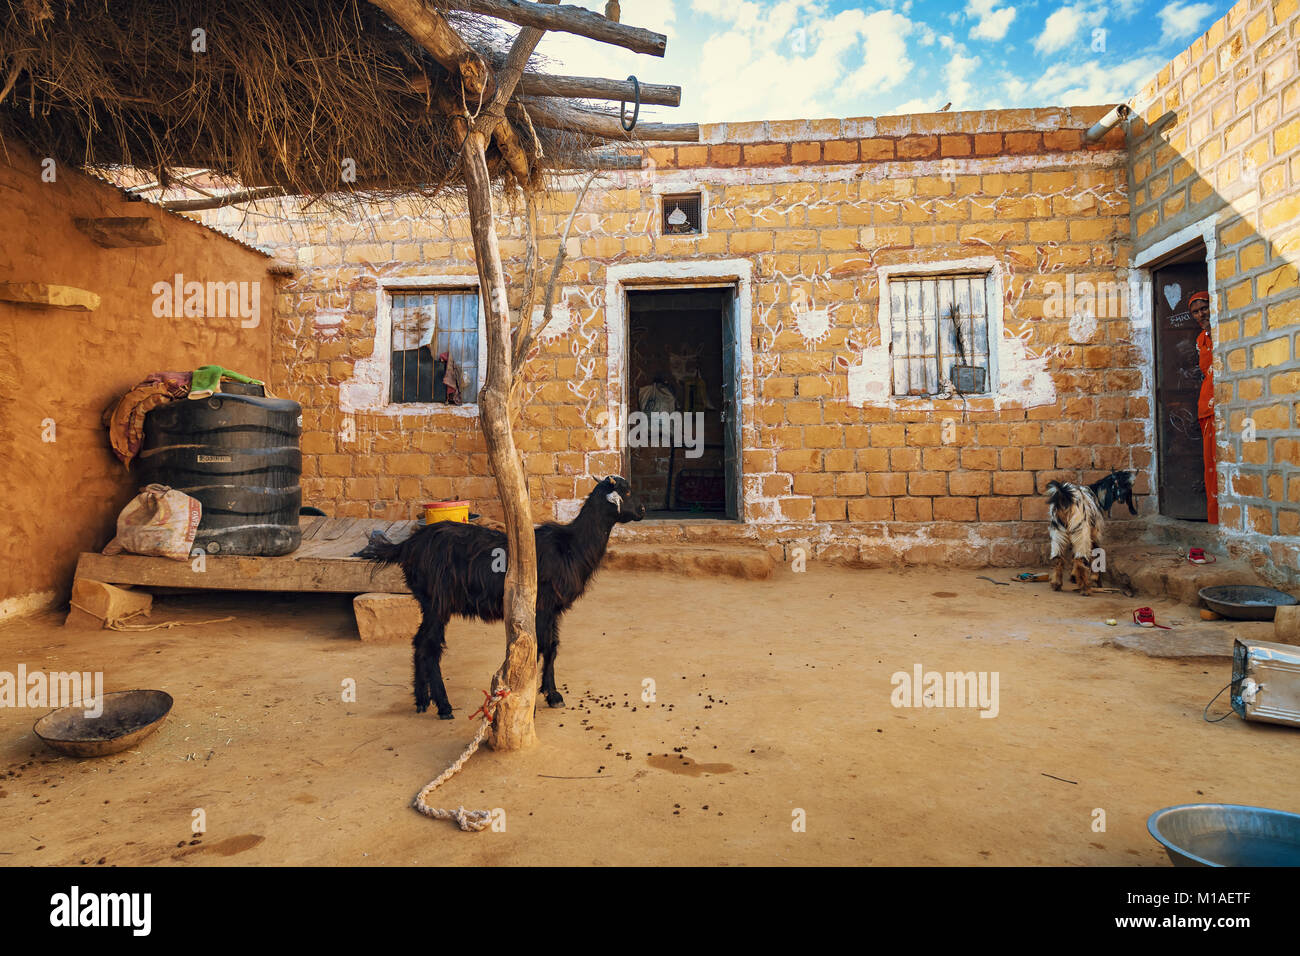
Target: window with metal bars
940,333
681,214
431,328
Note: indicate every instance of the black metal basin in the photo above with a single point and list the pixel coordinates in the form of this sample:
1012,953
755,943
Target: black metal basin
1225,834
129,717
1245,602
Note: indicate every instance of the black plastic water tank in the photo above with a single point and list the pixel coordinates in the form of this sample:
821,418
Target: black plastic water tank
239,455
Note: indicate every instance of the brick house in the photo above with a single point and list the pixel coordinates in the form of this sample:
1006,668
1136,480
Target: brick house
806,286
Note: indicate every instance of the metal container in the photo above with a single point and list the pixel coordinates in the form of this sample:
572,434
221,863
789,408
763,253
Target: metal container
1266,682
129,716
968,379
1245,602
1224,834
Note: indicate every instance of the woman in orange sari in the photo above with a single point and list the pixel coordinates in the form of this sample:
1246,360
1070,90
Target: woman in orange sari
1199,306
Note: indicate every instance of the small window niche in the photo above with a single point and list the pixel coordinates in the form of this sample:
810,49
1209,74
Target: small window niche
681,214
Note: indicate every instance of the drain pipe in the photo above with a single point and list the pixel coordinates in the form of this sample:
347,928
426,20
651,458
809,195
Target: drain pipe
1107,122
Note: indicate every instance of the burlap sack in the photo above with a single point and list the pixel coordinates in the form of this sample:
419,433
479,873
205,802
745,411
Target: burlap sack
159,521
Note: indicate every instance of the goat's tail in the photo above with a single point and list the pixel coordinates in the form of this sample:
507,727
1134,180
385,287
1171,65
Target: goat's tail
1059,496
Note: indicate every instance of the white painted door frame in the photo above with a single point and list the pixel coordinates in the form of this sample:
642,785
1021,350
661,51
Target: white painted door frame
1142,315
691,273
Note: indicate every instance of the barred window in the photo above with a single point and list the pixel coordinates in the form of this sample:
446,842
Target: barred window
426,326
940,332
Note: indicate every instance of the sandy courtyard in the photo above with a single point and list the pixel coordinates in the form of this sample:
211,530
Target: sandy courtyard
771,697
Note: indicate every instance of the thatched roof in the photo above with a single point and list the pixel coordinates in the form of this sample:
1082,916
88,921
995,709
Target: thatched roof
305,97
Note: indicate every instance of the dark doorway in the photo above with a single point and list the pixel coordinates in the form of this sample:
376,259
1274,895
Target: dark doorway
681,425
1177,385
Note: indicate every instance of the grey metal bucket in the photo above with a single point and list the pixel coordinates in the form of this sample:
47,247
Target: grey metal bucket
1225,834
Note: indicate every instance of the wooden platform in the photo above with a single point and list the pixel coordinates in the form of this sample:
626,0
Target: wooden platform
323,562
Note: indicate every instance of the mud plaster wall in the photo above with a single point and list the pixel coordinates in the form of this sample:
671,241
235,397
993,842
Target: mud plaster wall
1216,152
59,369
822,211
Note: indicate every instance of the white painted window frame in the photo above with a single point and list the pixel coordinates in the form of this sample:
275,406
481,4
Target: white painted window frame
379,366
659,189
995,302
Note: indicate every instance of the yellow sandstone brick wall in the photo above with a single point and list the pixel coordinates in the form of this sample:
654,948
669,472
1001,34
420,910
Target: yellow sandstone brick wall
816,209
1217,141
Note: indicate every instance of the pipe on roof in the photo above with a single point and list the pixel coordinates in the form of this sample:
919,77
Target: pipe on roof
1108,122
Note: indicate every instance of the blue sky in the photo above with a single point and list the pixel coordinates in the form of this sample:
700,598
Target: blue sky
794,59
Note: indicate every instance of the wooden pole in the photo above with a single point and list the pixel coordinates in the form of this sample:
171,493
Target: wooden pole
512,728
567,19
595,88
427,27
552,115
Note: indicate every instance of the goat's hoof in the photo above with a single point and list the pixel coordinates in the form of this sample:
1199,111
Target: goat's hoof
447,716
554,700
1056,587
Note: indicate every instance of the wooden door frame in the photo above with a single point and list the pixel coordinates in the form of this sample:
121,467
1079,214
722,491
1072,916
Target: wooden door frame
737,274
1141,285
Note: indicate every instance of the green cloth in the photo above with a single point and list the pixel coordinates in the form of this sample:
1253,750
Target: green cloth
207,379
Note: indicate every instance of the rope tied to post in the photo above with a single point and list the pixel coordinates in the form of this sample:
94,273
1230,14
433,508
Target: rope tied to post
468,820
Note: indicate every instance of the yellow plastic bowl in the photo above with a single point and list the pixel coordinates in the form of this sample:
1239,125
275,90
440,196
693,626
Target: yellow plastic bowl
435,511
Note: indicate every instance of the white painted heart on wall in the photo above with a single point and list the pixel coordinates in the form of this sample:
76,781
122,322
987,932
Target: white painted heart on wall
1173,295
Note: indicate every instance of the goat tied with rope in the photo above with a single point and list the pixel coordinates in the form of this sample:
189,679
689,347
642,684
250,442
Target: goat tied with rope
454,568
1076,522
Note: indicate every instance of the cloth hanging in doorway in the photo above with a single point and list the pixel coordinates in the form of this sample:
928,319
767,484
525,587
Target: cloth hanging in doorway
696,395
656,397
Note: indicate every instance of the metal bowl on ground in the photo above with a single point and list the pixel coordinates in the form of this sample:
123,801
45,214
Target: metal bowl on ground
128,717
1225,834
1245,602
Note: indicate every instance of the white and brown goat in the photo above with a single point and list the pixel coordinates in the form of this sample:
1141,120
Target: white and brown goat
1076,522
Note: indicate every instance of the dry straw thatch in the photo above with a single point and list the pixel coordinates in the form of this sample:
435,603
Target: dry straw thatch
284,94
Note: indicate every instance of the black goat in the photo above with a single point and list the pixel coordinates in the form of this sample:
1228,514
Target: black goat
454,568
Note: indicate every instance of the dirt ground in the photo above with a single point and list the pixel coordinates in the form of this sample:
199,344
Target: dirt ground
771,697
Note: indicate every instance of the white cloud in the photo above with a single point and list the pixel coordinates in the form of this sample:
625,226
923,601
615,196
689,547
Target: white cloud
991,24
1083,83
1180,20
957,73
796,60
1060,30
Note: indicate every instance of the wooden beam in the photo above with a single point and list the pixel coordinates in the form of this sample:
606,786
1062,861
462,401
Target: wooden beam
225,199
566,18
507,79
49,296
555,116
121,232
597,161
285,573
427,27
595,88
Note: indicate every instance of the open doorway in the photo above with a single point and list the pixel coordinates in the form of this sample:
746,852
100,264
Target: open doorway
1180,443
682,436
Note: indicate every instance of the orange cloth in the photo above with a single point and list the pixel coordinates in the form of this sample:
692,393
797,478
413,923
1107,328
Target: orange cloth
1205,351
1205,412
1211,470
